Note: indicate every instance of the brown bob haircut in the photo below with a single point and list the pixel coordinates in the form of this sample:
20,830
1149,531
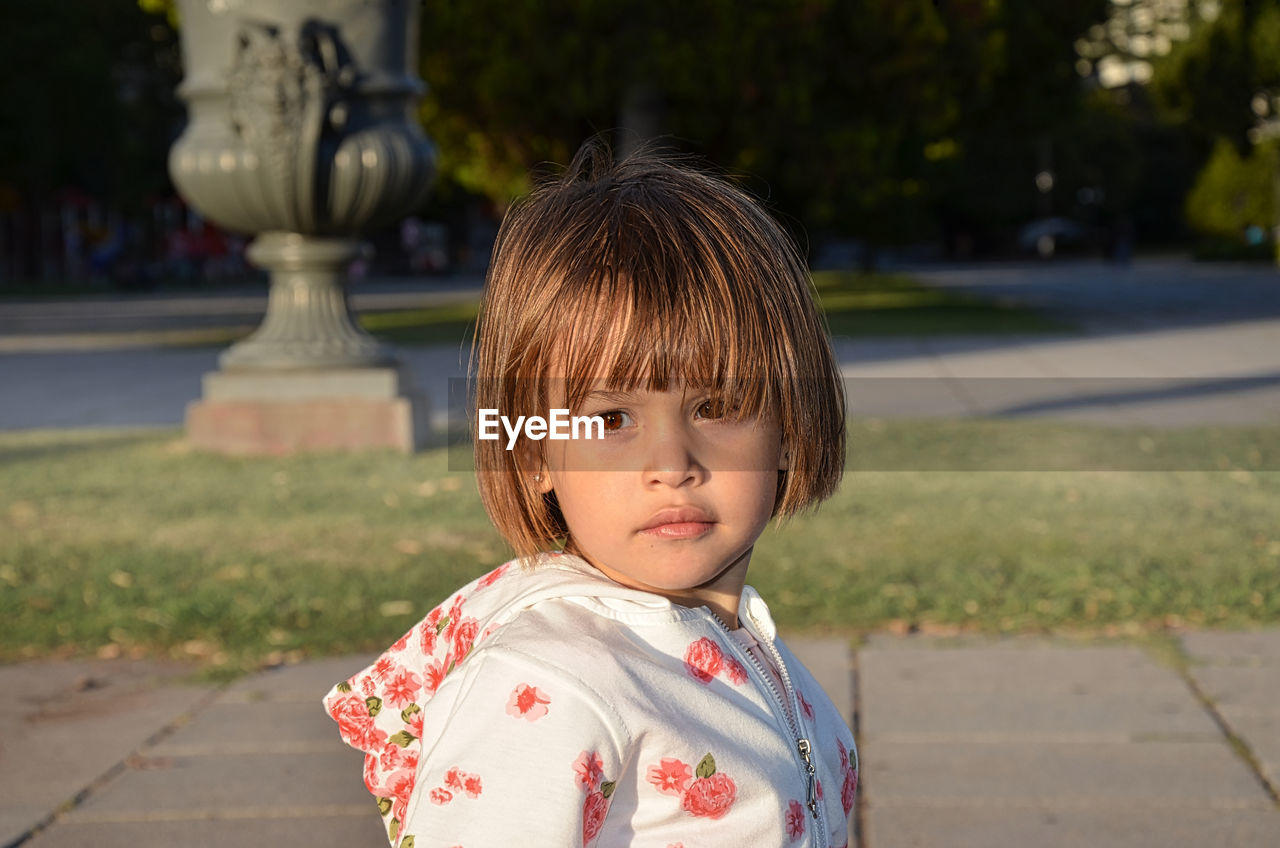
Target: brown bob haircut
649,274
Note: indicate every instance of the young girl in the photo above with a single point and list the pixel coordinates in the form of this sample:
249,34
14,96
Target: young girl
628,688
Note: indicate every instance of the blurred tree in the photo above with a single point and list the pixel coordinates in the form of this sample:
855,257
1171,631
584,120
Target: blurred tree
855,117
86,98
1222,88
1233,193
1022,106
1208,82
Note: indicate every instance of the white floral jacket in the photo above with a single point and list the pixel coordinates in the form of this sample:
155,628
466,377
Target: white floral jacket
552,706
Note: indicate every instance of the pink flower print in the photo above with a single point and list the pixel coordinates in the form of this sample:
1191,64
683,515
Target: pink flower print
464,634
355,724
734,671
710,797
399,788
373,773
401,643
704,659
415,724
805,705
493,576
670,777
849,790
434,676
452,618
392,757
441,796
795,820
527,702
427,632
711,794
457,780
594,808
368,685
590,775
403,688
590,770
383,668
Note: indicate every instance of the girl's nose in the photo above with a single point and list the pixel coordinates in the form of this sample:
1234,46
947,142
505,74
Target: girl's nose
670,459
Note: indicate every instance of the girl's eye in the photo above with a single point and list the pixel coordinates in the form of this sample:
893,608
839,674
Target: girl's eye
615,419
713,409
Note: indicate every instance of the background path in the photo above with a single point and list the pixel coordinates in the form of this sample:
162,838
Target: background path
1163,344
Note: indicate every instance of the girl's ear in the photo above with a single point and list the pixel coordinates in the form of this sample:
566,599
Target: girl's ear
533,468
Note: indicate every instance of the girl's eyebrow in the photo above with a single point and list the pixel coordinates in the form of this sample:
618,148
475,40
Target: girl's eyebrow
610,397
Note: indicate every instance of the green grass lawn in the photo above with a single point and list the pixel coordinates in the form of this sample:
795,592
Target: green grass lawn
895,305
128,542
856,304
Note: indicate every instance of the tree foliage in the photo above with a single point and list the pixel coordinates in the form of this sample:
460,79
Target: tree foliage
1222,88
854,117
1232,192
87,98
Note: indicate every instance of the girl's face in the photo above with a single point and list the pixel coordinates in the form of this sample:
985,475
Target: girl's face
674,496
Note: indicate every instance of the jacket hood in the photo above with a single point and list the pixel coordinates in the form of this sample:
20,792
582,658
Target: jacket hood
379,709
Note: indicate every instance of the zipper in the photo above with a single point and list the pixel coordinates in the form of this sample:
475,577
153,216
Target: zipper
803,746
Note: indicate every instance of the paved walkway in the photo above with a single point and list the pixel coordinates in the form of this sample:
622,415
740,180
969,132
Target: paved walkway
1016,742
112,362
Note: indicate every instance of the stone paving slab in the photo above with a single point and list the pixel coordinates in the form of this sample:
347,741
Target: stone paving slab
1203,773
245,727
215,785
1240,674
278,709
320,829
1028,742
1249,645
1241,690
1027,691
63,725
305,683
996,826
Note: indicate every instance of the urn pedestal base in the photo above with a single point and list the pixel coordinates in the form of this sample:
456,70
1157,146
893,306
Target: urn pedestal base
257,413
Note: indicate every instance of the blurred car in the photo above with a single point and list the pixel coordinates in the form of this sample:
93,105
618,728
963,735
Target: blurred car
1047,236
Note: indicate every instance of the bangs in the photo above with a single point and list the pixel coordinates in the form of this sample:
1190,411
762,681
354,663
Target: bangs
663,340
669,303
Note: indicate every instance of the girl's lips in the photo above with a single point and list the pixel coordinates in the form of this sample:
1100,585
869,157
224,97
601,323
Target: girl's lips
678,530
682,522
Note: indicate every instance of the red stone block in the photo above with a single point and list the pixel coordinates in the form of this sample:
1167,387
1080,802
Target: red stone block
264,428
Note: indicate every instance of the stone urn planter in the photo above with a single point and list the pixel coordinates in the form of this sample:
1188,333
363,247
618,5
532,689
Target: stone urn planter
301,130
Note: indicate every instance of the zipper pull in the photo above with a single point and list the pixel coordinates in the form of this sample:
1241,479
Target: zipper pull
805,749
